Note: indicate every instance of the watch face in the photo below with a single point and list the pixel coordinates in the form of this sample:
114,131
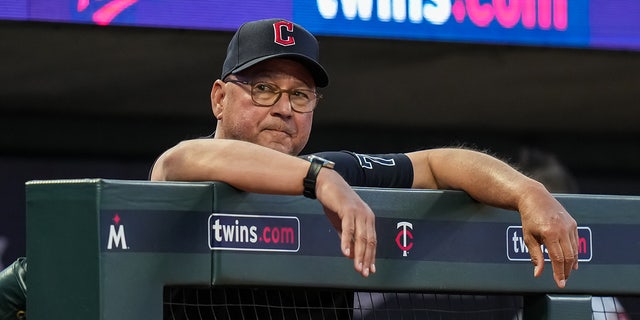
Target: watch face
325,163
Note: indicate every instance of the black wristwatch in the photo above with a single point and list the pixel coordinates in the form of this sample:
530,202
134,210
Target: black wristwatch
309,181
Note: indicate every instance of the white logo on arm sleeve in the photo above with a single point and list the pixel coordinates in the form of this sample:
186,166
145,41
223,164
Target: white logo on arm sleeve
366,161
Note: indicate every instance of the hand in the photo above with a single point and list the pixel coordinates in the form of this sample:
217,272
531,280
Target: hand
545,221
351,217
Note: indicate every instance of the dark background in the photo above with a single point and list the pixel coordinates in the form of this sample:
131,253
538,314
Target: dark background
80,101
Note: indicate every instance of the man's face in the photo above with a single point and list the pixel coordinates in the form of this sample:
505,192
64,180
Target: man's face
278,127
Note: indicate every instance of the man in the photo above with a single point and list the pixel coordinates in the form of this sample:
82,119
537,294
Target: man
264,103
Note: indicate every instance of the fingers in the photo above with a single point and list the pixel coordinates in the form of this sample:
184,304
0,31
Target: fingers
546,222
353,219
560,268
566,252
537,258
346,237
365,246
358,241
563,253
570,251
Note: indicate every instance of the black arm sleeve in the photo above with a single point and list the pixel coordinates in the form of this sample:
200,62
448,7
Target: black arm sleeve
392,170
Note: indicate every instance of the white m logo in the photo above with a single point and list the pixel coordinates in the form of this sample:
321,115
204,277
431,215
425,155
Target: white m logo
117,239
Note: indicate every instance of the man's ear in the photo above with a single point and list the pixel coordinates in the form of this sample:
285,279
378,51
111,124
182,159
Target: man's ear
217,97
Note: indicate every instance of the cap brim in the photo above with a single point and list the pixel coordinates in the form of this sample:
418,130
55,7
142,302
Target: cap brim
320,76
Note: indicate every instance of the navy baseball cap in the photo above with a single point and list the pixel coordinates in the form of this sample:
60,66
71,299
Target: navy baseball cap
257,41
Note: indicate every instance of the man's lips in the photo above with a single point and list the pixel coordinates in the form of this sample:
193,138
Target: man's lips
278,132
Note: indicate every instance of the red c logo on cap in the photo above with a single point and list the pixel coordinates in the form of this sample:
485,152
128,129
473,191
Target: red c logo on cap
278,28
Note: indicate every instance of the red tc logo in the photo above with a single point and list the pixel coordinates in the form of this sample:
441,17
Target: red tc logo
401,239
280,27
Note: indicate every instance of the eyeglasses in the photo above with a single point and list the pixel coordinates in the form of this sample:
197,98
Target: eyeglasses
267,94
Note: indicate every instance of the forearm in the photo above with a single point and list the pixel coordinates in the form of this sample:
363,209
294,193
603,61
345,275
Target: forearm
483,177
246,166
252,168
493,182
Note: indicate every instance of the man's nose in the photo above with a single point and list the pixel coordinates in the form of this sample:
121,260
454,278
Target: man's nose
283,105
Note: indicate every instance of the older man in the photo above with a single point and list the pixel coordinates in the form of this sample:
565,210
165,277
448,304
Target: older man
264,103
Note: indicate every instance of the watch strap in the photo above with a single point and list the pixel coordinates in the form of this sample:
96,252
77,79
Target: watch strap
309,181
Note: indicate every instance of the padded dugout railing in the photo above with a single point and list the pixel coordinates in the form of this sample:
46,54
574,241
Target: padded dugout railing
105,249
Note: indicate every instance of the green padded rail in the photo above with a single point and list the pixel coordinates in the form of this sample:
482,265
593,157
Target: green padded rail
104,249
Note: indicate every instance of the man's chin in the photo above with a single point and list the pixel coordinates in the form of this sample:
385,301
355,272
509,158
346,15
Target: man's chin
278,146
277,140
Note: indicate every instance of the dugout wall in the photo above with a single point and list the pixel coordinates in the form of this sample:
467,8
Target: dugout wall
106,249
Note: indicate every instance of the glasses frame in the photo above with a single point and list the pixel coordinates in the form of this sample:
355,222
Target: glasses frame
279,92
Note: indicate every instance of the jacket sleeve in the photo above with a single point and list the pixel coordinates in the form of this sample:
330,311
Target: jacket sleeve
13,291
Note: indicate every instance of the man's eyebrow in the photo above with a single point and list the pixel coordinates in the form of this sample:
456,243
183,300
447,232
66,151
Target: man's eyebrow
267,74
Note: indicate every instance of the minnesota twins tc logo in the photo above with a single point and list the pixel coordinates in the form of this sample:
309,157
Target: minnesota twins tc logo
401,239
